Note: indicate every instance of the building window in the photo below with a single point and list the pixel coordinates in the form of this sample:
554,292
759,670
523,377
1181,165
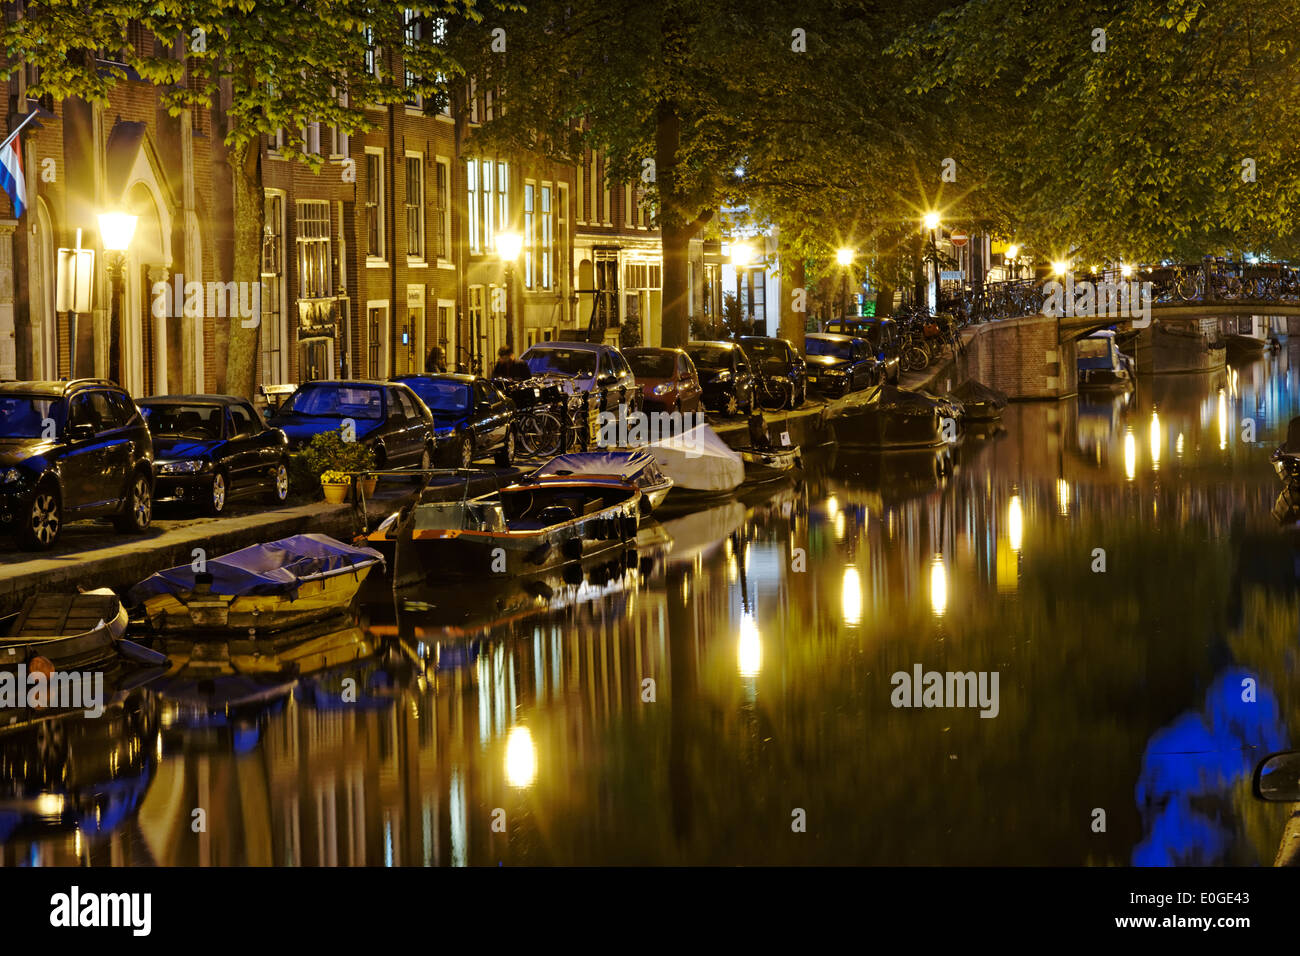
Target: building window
272,327
485,167
438,35
530,244
608,214
376,333
503,196
338,138
472,188
629,207
313,239
372,53
375,203
414,206
477,331
563,257
473,100
411,27
547,238
580,178
593,211
441,225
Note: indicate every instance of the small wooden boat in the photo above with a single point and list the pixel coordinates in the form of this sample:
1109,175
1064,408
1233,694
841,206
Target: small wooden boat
522,528
626,467
267,587
765,460
70,631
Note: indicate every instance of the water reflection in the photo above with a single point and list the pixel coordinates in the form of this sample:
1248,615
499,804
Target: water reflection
1114,561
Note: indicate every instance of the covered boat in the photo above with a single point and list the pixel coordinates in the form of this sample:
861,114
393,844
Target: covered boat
266,587
980,402
522,528
892,417
1102,366
699,461
621,467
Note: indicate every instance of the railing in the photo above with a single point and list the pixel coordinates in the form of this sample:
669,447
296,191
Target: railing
1213,282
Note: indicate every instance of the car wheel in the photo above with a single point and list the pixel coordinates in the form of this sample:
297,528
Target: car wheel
220,488
138,510
465,458
44,520
505,456
732,406
279,492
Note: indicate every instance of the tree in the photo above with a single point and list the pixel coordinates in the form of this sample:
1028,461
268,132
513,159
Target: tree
707,104
262,66
1137,130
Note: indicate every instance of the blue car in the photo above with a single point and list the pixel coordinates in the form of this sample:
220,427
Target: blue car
471,417
387,416
211,448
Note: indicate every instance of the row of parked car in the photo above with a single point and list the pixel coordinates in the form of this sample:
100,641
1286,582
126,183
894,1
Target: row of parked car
85,449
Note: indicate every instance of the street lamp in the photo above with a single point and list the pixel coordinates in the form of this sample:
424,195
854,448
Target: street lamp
742,254
1013,256
1060,266
115,232
931,222
844,256
509,245
1125,269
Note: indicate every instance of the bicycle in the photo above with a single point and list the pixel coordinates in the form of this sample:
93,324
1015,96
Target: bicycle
773,392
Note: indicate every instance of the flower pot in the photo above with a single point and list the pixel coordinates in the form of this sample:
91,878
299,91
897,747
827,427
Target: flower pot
368,486
336,494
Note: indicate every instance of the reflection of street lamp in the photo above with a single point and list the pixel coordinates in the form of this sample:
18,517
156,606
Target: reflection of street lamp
509,245
742,254
115,232
844,256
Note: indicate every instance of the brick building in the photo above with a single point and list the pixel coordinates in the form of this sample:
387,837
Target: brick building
386,252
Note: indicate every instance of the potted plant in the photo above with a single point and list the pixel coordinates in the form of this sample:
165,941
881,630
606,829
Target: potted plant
368,485
328,453
336,485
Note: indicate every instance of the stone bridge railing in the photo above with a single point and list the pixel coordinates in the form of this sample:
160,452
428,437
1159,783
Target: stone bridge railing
1213,284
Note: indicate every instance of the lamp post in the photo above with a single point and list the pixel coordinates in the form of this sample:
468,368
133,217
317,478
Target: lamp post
509,245
1013,257
115,232
742,254
931,223
844,256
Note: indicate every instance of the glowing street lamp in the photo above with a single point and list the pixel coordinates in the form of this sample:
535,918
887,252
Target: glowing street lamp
844,256
509,245
1125,269
931,220
1060,266
742,254
115,231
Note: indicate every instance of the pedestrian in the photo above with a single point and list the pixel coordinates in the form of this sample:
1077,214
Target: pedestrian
435,363
506,366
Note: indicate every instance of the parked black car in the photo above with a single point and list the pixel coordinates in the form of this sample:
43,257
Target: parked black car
387,416
883,334
726,374
72,450
471,417
777,357
839,364
210,448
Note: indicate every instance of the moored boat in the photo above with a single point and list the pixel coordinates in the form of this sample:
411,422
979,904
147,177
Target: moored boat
522,528
699,462
631,467
69,631
266,587
1286,457
892,417
980,402
1102,366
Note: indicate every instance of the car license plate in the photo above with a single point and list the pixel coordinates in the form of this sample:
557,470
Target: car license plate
812,378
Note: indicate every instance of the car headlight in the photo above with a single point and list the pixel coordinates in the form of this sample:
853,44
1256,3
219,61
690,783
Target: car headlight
11,476
834,371
181,467
664,389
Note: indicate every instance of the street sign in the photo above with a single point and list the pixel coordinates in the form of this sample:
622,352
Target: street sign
954,275
958,239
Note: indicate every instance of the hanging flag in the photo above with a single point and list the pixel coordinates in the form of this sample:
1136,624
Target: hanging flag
11,175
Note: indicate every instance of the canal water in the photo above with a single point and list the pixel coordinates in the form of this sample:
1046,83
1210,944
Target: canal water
729,697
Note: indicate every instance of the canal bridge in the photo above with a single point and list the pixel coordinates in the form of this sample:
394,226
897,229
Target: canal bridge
1020,342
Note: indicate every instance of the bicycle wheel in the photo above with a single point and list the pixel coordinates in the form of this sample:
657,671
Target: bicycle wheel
914,358
540,434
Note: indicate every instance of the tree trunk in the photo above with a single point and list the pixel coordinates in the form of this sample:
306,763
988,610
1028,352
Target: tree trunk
675,230
885,283
793,323
244,334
